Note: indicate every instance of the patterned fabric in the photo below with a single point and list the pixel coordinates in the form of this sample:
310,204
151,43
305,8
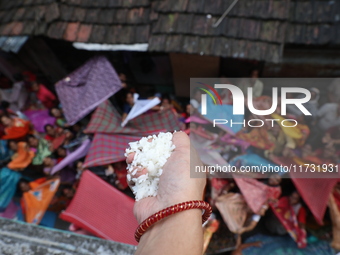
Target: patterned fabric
8,186
256,193
107,149
102,210
106,119
289,219
86,88
233,209
37,200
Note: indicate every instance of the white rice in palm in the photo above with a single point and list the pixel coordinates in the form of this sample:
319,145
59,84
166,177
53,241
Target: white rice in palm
152,153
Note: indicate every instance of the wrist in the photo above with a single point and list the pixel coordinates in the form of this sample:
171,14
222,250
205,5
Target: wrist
193,215
170,211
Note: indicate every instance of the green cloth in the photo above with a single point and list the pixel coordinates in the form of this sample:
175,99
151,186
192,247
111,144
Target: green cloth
61,122
43,151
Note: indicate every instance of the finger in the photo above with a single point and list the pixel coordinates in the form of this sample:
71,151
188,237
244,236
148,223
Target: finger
137,171
130,157
134,174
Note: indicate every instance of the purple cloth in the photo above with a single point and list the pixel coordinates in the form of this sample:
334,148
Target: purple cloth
232,140
39,118
10,211
77,154
86,88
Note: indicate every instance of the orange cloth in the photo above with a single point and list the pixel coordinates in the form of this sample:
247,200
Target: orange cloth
22,158
36,201
20,129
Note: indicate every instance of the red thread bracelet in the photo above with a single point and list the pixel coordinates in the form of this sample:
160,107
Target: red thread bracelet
195,204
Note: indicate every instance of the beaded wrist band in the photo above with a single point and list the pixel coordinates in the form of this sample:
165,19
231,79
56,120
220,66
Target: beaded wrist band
195,204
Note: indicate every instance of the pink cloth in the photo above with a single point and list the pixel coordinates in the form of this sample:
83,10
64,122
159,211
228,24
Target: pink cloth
102,210
256,193
196,119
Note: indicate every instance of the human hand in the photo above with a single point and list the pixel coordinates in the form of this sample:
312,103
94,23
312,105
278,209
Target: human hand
175,184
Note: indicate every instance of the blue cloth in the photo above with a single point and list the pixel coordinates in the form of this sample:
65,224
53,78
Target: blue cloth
224,112
285,245
127,108
8,185
251,159
5,152
48,219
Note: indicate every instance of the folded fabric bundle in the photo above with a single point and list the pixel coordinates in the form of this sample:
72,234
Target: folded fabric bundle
22,158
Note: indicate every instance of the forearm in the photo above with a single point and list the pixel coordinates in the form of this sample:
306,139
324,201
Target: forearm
181,233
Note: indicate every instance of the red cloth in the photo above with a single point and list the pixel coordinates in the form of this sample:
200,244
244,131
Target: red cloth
256,193
302,215
20,129
337,198
121,172
286,215
107,149
106,119
49,138
309,186
30,76
47,98
58,141
102,210
310,191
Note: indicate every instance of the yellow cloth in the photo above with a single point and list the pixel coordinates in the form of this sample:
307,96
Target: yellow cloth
299,133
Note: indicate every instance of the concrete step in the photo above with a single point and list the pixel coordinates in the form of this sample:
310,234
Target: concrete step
18,238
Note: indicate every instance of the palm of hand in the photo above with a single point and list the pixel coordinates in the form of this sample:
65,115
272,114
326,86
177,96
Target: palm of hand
175,184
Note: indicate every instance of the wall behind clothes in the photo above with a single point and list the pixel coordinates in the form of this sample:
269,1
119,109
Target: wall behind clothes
186,66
